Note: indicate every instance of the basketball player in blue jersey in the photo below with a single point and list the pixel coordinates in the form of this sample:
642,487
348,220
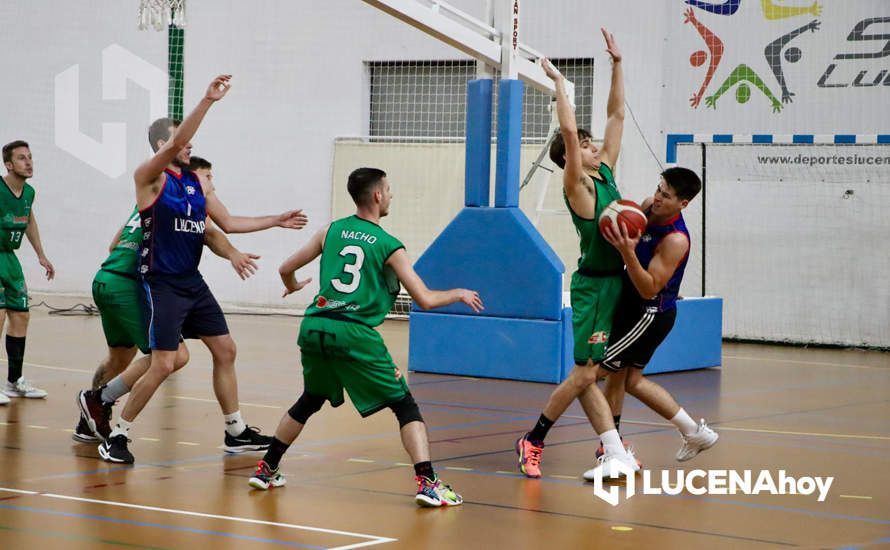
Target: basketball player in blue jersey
655,264
173,207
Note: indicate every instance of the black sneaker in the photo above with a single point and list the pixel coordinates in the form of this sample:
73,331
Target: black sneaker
96,413
114,449
83,433
249,440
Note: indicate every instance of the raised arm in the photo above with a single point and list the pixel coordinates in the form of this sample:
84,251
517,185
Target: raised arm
33,234
615,105
243,263
300,258
574,180
426,298
147,174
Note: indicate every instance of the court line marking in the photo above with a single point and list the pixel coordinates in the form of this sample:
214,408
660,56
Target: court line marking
763,430
374,538
799,362
863,497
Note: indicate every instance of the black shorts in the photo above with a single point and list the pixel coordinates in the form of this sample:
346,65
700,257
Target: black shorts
636,334
180,305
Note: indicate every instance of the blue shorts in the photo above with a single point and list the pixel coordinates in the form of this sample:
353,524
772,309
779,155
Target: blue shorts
180,305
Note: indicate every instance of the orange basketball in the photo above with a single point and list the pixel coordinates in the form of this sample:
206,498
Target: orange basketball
627,213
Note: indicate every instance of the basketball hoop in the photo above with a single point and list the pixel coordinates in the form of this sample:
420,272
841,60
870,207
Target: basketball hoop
160,14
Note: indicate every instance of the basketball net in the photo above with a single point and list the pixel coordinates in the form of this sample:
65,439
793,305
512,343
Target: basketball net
160,14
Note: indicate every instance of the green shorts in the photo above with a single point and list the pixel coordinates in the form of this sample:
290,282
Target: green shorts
594,300
341,354
122,307
13,290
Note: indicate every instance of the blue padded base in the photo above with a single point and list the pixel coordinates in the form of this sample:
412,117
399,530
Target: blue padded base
532,350
695,341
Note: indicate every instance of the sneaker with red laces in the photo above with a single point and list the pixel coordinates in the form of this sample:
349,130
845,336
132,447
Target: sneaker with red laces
529,456
432,493
627,446
266,477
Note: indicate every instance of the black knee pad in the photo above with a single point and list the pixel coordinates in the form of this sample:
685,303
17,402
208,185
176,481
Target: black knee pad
306,406
406,410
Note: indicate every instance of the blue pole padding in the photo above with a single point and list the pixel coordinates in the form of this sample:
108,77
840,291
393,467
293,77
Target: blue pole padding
477,171
506,190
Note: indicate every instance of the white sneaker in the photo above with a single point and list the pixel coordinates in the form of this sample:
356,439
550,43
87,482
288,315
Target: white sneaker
3,399
608,464
23,388
703,439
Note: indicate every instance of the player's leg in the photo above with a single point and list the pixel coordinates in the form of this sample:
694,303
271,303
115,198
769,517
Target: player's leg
320,384
16,300
4,400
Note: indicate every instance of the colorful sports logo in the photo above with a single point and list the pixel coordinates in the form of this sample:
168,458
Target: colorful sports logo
742,76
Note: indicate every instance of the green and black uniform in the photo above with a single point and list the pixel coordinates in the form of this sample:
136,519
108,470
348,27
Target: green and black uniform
16,213
118,291
596,285
339,346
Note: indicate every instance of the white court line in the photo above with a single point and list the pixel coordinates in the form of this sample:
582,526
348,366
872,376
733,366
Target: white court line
242,403
375,539
799,362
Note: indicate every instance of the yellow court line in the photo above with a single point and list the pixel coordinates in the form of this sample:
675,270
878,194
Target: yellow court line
362,460
503,472
622,528
855,496
152,439
458,469
812,434
38,427
403,464
558,476
187,443
799,362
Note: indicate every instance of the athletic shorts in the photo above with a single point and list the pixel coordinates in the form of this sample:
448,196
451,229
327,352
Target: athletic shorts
121,302
180,306
340,354
13,290
594,300
636,334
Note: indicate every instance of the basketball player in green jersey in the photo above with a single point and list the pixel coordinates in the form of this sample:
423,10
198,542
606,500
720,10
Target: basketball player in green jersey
588,186
17,220
361,266
119,296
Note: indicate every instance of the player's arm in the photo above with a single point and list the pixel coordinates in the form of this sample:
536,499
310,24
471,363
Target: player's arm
301,258
243,263
147,174
292,219
426,298
668,255
614,106
581,197
33,234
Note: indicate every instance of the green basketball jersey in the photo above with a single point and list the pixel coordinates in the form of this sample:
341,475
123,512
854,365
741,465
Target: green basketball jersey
597,255
125,255
355,281
15,212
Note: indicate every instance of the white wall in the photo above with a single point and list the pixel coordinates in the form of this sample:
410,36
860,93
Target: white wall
300,83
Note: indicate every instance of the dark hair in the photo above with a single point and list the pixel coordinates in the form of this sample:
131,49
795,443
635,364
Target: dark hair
160,130
683,181
7,149
558,147
198,163
361,183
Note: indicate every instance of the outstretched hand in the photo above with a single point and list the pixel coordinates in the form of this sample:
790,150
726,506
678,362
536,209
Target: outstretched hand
472,299
550,70
243,263
611,47
219,87
293,219
293,285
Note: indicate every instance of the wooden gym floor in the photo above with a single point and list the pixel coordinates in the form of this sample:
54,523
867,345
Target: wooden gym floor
809,412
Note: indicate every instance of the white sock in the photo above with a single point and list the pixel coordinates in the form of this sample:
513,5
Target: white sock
234,424
612,444
121,428
684,422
